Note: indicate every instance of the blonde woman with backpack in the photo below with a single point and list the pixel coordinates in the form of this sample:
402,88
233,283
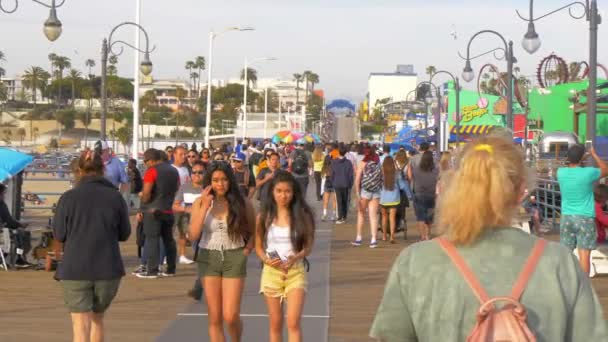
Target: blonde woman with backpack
436,288
368,187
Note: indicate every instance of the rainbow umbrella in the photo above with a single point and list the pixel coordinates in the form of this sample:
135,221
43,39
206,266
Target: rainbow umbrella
287,137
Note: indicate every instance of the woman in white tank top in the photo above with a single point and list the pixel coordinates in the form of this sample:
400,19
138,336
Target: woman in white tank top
222,225
284,237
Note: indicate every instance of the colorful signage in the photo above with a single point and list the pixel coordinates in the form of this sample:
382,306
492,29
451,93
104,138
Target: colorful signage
472,111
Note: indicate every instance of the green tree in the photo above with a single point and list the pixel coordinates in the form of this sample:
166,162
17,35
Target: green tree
3,92
90,63
124,136
252,76
66,118
33,79
74,76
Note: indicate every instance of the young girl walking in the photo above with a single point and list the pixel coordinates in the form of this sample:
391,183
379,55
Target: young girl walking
284,236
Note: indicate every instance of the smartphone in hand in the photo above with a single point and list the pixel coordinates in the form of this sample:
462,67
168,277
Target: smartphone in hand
273,255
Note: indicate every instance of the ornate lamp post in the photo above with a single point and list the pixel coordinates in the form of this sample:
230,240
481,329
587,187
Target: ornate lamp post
107,47
468,73
52,26
531,43
457,90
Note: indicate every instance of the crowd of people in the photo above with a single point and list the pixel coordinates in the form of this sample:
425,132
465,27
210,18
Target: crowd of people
226,204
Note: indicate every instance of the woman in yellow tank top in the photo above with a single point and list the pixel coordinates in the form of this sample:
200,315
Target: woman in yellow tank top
317,158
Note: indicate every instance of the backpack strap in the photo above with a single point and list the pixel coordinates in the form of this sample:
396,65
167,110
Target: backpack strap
462,267
528,270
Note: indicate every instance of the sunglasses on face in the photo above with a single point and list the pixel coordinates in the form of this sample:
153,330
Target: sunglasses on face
191,156
237,161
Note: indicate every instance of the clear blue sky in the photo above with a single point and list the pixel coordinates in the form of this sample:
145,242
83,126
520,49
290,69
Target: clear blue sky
341,40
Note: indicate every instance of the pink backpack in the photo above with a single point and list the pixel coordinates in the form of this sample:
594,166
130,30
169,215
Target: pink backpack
507,323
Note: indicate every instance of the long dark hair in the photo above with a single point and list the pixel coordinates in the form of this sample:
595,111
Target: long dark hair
426,161
302,221
238,226
388,172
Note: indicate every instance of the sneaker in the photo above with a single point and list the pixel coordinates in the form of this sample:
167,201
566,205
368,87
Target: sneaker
22,264
340,221
324,218
356,243
184,260
139,269
166,275
373,244
147,275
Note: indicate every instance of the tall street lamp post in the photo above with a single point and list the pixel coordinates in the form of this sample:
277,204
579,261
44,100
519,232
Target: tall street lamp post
531,43
457,102
468,74
52,26
212,36
107,47
245,71
428,101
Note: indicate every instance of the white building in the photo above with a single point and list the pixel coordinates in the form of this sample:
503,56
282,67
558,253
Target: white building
394,85
285,88
17,92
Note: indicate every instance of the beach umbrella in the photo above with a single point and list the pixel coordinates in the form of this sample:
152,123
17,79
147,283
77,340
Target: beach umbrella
12,162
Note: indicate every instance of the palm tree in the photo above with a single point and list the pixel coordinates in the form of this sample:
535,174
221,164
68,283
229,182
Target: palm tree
61,63
298,78
252,76
34,78
199,63
90,64
74,76
195,78
52,57
2,56
112,69
189,66
21,134
430,70
313,79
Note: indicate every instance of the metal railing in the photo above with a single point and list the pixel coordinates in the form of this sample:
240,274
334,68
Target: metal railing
548,202
62,176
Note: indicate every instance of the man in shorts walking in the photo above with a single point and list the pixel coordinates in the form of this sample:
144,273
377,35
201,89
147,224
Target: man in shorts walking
577,225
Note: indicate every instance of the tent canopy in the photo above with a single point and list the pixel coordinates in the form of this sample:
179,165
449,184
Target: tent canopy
12,162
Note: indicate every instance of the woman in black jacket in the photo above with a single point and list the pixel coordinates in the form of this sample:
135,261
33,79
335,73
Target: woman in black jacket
90,220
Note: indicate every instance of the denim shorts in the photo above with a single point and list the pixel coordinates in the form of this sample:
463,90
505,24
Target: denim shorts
275,283
578,232
424,206
370,195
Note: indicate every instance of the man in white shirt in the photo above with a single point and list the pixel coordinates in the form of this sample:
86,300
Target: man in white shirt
181,220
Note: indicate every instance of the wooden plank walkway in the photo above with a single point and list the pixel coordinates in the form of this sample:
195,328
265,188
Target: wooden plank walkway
32,306
358,276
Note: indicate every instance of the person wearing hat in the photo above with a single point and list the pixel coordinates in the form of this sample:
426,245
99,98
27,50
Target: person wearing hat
114,169
242,173
577,224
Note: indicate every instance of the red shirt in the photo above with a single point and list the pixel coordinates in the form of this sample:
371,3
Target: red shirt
601,222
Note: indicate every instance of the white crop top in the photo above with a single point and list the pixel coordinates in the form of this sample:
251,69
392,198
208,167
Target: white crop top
215,236
279,239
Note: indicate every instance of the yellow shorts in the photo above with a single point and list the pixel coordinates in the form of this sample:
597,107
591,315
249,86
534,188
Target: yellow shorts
276,284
